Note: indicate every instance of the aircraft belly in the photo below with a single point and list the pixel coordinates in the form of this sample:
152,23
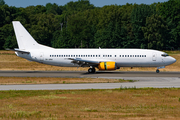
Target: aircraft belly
139,63
65,63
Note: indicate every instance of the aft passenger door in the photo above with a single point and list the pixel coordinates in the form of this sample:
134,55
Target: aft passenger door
41,56
154,57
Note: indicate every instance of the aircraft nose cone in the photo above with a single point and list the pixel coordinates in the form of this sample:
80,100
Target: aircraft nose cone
173,60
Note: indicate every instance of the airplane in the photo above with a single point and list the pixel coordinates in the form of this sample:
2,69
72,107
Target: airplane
102,59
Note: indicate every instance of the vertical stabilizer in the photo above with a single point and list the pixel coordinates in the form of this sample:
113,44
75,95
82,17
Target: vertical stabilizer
24,39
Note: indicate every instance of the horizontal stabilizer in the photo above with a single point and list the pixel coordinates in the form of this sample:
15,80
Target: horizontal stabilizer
17,50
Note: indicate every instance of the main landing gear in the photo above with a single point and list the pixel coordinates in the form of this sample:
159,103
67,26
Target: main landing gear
91,70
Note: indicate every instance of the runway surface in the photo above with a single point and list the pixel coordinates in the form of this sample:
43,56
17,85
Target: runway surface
72,74
145,79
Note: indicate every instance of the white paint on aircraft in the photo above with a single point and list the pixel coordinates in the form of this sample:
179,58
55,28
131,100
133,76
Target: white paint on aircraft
103,59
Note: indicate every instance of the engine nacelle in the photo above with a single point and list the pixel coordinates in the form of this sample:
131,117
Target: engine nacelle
107,66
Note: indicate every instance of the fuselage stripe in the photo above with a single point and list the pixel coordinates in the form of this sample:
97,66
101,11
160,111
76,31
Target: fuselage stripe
105,66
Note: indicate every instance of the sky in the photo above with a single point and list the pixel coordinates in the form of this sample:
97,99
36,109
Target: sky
97,3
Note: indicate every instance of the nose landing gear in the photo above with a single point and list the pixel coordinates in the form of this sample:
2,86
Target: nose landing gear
157,71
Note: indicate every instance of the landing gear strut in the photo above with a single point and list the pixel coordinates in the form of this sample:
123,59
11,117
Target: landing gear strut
157,71
91,70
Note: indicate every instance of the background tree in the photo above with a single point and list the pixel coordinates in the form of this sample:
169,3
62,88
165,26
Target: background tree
156,32
2,2
170,10
81,24
138,19
126,33
62,39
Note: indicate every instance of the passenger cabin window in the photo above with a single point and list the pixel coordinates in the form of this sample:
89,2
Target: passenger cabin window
163,55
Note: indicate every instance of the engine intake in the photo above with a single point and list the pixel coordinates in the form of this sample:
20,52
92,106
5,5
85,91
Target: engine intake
107,66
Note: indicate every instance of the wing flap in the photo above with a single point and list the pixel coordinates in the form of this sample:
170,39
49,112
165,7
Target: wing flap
85,61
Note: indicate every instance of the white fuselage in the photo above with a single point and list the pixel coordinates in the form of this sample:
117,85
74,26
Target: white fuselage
103,59
122,57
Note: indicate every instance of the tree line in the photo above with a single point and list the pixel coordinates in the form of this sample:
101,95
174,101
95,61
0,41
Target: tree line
82,25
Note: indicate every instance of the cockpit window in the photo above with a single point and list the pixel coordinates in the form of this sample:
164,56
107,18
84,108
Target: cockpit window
164,55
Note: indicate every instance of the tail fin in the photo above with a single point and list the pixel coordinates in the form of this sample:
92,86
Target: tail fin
24,39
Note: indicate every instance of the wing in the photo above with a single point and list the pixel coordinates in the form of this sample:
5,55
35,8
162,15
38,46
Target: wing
87,62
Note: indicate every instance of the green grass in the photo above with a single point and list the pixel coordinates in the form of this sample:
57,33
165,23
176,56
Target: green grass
21,93
43,80
124,103
30,93
122,80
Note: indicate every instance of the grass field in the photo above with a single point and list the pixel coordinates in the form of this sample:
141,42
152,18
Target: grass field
45,80
9,61
116,104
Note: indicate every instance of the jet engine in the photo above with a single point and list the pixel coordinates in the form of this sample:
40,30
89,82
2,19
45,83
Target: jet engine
107,66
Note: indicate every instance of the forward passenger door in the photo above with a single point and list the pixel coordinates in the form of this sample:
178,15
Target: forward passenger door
154,57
